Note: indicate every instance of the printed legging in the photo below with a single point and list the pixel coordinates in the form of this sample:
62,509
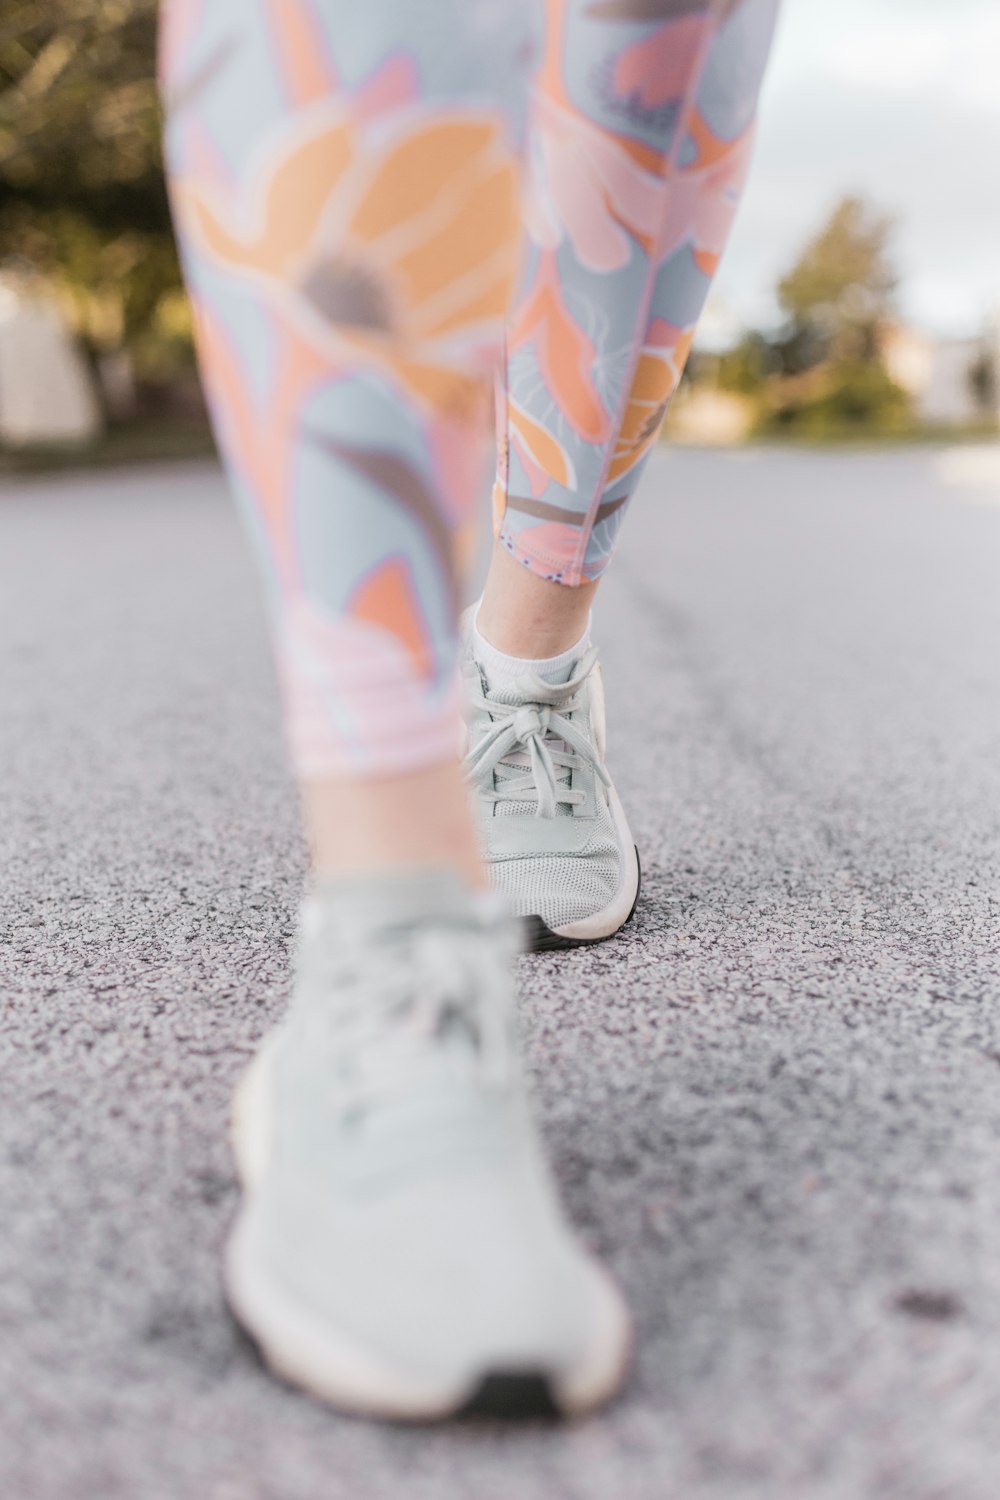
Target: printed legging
380,205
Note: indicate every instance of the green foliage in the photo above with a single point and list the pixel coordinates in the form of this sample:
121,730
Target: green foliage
822,375
82,198
840,290
745,368
854,396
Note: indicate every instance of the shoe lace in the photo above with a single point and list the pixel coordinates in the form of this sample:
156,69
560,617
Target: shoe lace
535,736
396,1007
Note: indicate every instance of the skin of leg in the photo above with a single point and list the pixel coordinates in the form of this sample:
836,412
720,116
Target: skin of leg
350,304
361,825
528,616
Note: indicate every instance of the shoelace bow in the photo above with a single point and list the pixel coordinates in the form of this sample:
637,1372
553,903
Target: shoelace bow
390,1008
535,726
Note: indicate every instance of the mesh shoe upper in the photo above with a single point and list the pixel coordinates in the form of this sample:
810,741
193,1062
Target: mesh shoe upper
536,763
405,1202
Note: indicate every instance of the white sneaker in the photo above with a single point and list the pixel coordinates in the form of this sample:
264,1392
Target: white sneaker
554,831
400,1250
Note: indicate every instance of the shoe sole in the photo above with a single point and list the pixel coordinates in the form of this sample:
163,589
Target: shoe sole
340,1371
539,937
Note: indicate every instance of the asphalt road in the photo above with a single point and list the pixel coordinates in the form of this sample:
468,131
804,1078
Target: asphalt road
774,1104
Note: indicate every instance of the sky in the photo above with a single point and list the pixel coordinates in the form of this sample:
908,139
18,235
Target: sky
898,100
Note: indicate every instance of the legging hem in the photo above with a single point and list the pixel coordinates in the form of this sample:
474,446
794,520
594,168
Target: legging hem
546,566
370,760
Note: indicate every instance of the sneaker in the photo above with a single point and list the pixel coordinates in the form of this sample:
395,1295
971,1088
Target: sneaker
554,831
400,1251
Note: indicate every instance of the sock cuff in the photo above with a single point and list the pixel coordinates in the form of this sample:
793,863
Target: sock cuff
406,895
502,668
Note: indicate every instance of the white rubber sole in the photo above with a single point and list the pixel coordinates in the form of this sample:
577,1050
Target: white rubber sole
606,922
334,1366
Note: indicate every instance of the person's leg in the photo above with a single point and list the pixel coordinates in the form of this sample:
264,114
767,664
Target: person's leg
638,150
345,184
350,260
529,616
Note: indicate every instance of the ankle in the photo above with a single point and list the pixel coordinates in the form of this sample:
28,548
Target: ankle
356,906
394,825
528,617
503,669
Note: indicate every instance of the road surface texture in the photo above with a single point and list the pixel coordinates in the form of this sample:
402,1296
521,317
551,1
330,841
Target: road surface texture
773,1104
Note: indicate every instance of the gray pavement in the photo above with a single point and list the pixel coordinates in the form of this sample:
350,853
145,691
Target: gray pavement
774,1104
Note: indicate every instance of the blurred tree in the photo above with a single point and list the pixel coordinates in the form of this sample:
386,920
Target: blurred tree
82,198
839,293
746,367
983,382
826,376
844,397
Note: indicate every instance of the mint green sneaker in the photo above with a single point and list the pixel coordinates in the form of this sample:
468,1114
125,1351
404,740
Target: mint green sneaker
554,831
400,1250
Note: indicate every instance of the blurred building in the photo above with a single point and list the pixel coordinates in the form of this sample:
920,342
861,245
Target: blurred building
952,381
47,393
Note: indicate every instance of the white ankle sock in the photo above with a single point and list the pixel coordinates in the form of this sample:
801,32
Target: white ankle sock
503,670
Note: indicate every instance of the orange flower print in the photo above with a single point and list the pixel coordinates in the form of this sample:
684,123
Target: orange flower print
657,374
591,188
400,257
565,355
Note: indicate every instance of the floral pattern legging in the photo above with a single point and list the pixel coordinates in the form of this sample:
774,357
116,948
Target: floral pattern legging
379,206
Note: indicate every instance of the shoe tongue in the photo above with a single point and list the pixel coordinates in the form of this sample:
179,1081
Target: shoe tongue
512,695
